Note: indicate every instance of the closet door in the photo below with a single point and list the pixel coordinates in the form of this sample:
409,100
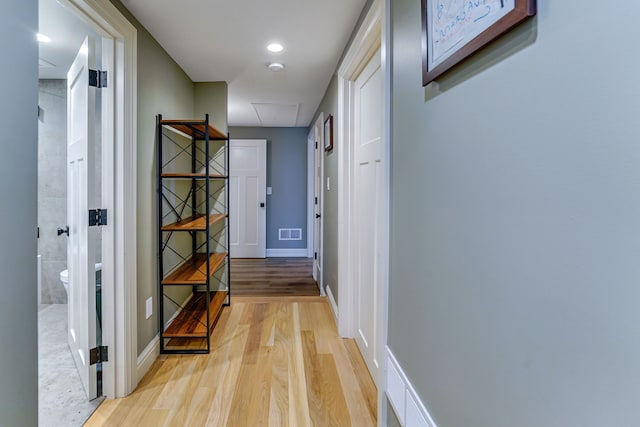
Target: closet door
247,198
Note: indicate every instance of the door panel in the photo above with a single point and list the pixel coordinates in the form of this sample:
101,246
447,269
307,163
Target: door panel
252,211
234,200
247,201
368,207
81,244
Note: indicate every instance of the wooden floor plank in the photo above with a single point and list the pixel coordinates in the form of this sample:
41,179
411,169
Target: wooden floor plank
367,386
279,402
272,363
261,393
298,397
316,404
273,276
335,401
235,335
359,410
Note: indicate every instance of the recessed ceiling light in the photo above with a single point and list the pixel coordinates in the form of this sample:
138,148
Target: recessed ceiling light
275,66
43,38
275,47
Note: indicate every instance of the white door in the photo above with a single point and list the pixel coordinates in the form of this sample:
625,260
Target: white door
247,198
317,202
368,206
80,187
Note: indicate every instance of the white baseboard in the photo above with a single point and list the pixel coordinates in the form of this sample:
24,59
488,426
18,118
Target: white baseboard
404,400
334,306
152,350
287,253
147,357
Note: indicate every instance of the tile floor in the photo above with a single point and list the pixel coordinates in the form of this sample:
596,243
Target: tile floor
61,398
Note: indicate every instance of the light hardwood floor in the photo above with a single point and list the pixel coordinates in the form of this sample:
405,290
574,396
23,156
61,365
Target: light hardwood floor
274,362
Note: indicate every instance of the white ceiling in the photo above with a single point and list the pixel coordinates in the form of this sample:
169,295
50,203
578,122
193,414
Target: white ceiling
67,33
225,40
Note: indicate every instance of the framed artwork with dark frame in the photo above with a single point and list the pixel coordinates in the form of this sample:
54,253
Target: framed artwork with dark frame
454,29
328,133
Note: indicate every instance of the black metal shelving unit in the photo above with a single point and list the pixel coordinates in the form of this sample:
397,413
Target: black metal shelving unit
193,232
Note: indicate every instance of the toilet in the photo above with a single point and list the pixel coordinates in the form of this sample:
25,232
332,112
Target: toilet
64,277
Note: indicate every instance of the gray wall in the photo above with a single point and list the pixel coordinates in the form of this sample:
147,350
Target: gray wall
287,175
18,192
52,187
211,98
392,419
515,222
329,105
162,88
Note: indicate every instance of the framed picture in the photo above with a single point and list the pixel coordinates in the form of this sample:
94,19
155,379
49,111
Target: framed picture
454,29
328,133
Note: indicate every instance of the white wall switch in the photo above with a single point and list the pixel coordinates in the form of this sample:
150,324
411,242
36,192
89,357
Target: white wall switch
149,307
269,191
328,183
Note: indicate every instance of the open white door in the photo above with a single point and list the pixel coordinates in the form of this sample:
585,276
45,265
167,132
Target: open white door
247,198
80,187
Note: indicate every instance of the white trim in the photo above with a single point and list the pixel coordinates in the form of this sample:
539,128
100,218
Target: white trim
345,315
373,33
287,253
147,357
152,350
366,42
119,197
318,136
311,146
404,400
334,305
386,58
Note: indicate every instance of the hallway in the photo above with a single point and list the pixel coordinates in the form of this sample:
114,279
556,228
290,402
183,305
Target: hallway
274,361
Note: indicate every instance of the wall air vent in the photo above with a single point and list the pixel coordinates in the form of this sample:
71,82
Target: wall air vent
290,234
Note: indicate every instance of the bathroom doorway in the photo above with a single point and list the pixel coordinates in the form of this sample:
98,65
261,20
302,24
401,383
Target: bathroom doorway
62,396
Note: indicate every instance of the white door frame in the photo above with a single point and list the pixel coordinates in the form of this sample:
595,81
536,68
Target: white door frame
373,34
316,135
366,42
119,132
310,187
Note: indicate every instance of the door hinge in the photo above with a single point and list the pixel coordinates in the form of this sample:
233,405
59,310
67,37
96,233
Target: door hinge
97,78
97,217
315,255
98,355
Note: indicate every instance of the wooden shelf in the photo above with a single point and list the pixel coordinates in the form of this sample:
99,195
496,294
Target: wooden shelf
193,199
194,223
192,272
191,322
194,128
192,175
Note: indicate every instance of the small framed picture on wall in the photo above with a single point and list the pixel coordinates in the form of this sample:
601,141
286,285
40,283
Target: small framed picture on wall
328,133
